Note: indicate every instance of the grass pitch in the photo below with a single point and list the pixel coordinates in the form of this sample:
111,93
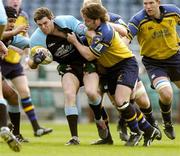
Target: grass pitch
53,144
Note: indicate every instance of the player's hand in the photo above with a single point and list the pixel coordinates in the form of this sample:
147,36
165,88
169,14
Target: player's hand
3,50
21,29
39,57
71,37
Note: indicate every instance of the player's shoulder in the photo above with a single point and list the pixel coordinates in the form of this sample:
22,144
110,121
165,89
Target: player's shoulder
139,16
24,14
65,18
106,31
114,17
170,8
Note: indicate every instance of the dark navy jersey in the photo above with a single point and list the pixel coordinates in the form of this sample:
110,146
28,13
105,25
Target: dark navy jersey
62,50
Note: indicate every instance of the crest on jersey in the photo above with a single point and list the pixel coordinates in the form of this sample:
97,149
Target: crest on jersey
98,47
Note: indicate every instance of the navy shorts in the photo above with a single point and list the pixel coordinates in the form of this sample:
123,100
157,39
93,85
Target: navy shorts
169,67
124,73
10,71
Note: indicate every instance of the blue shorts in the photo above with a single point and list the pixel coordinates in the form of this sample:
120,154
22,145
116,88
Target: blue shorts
123,73
11,71
169,67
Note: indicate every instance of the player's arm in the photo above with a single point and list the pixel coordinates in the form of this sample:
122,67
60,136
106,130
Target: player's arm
3,49
122,30
16,31
83,50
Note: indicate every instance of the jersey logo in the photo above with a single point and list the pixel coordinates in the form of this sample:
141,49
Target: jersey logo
51,44
98,47
63,51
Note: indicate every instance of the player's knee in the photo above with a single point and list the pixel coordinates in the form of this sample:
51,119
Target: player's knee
140,91
163,87
91,93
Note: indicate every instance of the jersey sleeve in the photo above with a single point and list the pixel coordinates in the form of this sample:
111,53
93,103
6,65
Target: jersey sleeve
38,38
20,42
101,42
133,27
72,23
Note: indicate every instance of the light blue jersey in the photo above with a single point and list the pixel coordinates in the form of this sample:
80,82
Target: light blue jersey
20,42
38,38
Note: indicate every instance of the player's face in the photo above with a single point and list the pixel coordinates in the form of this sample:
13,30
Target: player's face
46,25
152,7
90,23
11,23
16,4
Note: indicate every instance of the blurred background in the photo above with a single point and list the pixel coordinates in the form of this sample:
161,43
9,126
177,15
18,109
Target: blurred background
45,83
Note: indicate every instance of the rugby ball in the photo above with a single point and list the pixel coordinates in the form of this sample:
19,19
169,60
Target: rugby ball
47,53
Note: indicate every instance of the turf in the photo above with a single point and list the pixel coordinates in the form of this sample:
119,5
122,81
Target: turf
53,144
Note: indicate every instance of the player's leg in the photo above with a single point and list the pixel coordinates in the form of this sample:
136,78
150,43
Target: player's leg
164,89
71,84
13,109
21,85
91,85
5,133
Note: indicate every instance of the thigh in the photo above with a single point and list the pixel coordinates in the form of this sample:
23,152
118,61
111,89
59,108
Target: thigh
21,85
70,83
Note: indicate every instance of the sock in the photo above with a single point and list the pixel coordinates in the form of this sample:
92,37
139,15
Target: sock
104,114
71,113
3,113
28,108
96,108
148,114
129,114
14,115
165,111
144,125
72,122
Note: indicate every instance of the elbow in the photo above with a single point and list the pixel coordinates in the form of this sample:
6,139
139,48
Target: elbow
90,58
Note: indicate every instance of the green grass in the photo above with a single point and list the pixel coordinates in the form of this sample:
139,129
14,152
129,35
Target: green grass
53,144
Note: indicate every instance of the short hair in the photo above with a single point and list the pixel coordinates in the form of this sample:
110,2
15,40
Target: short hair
87,2
11,12
42,12
95,11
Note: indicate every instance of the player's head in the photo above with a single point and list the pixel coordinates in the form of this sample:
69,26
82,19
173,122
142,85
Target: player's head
16,4
44,19
12,16
87,2
152,7
93,14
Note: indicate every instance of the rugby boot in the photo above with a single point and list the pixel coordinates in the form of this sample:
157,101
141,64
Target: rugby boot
134,139
169,130
10,139
148,138
122,129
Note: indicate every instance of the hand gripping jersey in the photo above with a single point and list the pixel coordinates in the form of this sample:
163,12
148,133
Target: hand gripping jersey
157,38
61,49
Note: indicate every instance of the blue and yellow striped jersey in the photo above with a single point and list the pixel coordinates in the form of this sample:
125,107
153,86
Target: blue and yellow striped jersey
108,46
158,38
